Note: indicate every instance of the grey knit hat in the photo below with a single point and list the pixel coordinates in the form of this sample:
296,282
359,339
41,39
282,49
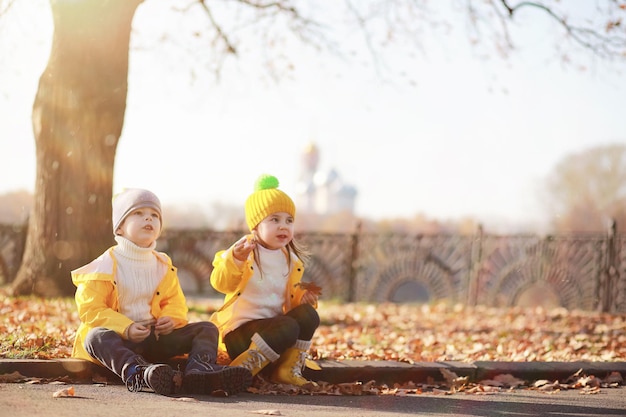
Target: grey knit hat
131,199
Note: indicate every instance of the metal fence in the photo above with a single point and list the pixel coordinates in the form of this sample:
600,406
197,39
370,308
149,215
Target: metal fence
585,272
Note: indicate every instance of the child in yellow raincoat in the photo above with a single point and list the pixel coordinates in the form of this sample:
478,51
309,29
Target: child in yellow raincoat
134,314
268,315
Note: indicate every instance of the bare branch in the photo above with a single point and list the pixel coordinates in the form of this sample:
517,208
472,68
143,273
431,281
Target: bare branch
278,5
603,46
5,6
230,48
307,30
362,22
384,25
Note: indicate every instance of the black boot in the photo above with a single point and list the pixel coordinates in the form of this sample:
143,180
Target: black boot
160,378
204,377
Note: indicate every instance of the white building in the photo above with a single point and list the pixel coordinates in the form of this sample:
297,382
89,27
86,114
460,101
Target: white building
322,192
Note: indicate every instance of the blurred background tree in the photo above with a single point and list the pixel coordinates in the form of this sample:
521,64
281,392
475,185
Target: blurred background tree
587,190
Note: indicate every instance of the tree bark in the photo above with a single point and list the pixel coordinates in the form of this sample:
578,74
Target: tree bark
78,115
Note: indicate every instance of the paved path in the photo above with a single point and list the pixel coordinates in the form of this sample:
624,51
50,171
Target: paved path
25,400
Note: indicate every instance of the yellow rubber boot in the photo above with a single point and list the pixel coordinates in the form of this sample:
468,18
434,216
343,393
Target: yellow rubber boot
289,368
257,357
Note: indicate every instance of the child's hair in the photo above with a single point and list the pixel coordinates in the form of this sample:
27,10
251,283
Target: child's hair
301,251
293,247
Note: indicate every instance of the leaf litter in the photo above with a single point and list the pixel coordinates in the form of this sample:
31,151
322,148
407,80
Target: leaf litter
40,328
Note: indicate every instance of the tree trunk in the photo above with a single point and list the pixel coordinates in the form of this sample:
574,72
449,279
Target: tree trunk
78,114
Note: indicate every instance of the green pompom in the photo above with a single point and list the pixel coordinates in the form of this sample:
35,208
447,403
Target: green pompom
266,182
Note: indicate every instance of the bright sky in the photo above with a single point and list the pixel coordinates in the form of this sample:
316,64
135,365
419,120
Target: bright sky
468,138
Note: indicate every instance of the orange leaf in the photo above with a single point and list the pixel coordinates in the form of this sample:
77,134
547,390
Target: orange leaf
65,392
311,286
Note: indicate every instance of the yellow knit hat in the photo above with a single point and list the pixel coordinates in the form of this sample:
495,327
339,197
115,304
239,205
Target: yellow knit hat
267,199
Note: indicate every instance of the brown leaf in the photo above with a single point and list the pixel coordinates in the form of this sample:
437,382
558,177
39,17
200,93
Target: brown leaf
452,379
310,286
509,380
614,377
12,377
97,378
590,390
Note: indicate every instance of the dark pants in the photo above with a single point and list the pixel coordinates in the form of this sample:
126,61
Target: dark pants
117,354
280,332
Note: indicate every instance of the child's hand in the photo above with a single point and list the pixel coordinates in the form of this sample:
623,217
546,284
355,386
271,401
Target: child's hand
137,332
164,325
243,247
309,297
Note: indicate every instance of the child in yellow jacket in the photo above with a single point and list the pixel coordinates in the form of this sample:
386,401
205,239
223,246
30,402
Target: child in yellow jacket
268,316
134,314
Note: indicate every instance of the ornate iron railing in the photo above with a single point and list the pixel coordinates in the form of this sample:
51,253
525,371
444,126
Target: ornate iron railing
573,271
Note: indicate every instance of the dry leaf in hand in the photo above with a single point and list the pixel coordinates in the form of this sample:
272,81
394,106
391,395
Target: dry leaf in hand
311,286
65,392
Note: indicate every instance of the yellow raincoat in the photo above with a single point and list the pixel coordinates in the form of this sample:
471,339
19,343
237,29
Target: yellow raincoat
98,302
230,279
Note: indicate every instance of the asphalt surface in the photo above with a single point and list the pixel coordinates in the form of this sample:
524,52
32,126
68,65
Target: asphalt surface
26,400
36,399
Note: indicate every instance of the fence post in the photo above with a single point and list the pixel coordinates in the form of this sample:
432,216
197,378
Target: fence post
610,271
475,258
354,256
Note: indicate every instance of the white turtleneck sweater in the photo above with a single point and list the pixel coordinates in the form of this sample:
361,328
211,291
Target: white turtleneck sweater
138,275
264,294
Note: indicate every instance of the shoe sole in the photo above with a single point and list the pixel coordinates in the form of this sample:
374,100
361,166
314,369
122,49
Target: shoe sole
229,379
164,380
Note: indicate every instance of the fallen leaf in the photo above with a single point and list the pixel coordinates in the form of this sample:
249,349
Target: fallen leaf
12,377
491,383
185,399
219,393
614,377
509,380
483,390
453,380
590,390
65,392
96,378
